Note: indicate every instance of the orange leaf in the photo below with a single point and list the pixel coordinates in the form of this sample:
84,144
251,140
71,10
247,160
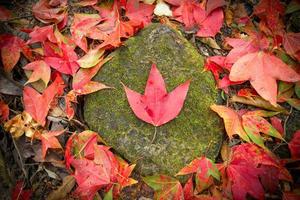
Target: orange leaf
232,121
49,141
41,70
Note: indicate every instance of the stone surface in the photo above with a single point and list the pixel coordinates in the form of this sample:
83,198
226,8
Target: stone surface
196,131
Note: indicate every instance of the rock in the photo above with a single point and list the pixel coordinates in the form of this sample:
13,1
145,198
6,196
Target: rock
196,131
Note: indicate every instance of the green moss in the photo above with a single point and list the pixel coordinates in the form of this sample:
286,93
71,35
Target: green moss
195,131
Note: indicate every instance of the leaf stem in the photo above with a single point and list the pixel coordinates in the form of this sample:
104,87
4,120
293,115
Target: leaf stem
154,136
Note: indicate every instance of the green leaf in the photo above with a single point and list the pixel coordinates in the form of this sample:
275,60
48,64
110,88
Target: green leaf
109,195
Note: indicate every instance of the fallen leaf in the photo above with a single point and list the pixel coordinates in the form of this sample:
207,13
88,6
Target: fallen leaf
85,75
277,124
83,26
294,145
19,193
115,27
11,48
20,124
40,71
259,102
232,121
92,58
254,124
162,9
87,2
244,170
65,63
38,105
9,86
241,47
262,70
4,14
62,191
4,111
165,187
89,177
205,171
41,34
140,14
270,11
124,172
46,13
156,106
49,141
291,43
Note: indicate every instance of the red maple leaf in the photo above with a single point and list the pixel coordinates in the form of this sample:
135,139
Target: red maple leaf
90,177
11,47
205,171
38,105
4,111
64,63
262,70
156,106
194,15
49,141
294,145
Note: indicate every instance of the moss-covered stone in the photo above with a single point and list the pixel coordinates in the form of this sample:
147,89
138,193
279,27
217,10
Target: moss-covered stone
196,131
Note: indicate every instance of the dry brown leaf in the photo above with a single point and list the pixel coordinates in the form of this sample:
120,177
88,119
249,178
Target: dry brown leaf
20,124
62,191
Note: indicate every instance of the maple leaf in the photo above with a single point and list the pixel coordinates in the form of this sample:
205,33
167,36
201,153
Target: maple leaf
87,2
89,177
205,172
124,171
294,145
277,124
217,66
38,105
253,43
4,111
232,121
140,14
114,26
4,14
85,75
46,13
193,15
65,63
254,123
11,48
18,192
84,25
270,12
244,170
40,71
291,43
93,57
165,187
41,34
49,141
262,70
156,106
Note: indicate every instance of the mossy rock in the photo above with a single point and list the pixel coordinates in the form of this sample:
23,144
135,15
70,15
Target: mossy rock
196,131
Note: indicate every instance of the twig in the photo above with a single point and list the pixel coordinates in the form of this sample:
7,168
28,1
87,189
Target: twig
286,120
17,18
20,157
